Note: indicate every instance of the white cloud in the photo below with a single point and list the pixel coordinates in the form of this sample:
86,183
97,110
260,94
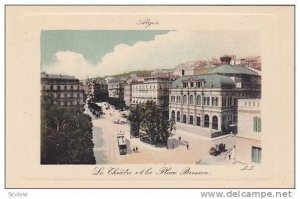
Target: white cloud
165,51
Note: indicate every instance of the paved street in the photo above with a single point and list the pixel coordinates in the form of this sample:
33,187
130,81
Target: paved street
106,147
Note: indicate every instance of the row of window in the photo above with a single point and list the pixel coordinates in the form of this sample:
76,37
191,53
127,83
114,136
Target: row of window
198,120
206,101
193,84
68,103
61,87
65,95
214,101
149,87
253,104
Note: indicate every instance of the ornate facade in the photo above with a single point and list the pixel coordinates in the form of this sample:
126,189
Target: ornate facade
210,100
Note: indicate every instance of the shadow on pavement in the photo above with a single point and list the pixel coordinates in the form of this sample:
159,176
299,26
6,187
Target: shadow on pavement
174,143
98,137
129,149
100,155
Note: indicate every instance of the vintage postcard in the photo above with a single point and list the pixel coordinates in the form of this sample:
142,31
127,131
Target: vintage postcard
150,97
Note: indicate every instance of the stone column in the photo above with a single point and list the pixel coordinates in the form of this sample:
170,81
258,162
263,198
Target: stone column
219,122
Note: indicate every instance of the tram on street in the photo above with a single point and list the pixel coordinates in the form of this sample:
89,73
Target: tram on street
122,143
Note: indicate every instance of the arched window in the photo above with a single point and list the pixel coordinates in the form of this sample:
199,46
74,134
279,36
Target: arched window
198,121
217,101
198,100
191,99
206,121
184,99
215,122
173,114
184,118
178,116
208,101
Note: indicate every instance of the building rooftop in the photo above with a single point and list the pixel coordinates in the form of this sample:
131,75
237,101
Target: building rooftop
211,81
56,76
232,69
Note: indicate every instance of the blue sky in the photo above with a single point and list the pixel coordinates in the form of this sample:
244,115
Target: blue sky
97,53
92,44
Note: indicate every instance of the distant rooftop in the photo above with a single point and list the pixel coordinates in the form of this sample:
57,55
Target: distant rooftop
57,76
232,69
211,81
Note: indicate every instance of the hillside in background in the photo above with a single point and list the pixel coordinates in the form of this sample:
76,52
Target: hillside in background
126,75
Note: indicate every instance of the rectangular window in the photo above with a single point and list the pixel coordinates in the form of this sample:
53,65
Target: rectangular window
191,119
256,154
192,84
256,124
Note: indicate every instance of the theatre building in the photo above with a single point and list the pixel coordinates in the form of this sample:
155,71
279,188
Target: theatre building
208,102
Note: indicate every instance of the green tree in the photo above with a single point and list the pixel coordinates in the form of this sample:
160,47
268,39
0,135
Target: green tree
150,121
172,125
66,135
135,119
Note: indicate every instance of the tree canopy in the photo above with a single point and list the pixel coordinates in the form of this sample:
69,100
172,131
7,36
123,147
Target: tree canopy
66,135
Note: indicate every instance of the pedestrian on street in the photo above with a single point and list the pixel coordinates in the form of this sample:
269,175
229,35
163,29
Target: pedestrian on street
136,149
187,146
133,149
179,138
173,146
233,154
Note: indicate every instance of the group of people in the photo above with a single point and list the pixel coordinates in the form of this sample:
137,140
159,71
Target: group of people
135,149
95,109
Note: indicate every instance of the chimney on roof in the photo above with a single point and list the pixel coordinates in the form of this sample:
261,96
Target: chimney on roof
225,60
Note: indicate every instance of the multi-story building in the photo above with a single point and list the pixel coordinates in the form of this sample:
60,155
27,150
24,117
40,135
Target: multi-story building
248,137
127,94
64,90
252,61
152,88
97,90
209,101
116,89
128,87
